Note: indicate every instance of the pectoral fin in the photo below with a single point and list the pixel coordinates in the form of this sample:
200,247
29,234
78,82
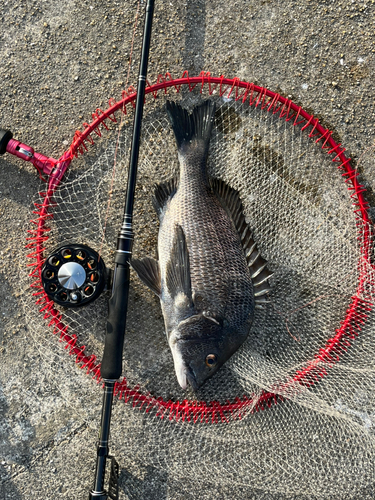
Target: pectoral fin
148,271
178,279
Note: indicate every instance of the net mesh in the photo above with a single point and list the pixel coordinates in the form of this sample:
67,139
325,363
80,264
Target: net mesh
310,349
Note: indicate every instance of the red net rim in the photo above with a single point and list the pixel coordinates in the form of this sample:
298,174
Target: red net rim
329,354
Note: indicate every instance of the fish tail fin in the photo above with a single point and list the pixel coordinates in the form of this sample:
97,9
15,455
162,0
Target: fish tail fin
195,126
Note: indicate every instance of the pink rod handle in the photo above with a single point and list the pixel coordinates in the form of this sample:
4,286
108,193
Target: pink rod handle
42,163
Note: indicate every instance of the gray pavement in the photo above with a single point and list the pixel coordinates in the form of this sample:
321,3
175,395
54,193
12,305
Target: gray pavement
59,62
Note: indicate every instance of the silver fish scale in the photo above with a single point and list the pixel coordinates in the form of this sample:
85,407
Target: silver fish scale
220,277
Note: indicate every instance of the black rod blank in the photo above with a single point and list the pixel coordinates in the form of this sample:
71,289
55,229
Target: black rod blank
111,366
102,449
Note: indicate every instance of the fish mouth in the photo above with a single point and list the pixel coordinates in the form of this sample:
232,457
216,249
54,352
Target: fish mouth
180,368
191,379
184,373
186,376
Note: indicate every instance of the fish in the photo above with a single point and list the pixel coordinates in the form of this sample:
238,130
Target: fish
209,275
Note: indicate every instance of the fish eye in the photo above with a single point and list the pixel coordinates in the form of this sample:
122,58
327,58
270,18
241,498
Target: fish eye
211,360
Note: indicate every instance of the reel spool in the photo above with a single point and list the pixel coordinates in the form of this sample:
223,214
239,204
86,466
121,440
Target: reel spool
74,275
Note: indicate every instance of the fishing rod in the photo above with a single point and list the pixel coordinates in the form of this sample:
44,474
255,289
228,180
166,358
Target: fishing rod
111,366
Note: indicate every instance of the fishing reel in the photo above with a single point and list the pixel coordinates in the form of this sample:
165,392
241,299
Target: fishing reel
74,275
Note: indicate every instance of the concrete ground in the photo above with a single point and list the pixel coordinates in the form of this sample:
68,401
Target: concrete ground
59,62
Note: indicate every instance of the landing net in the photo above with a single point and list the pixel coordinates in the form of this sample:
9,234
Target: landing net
292,413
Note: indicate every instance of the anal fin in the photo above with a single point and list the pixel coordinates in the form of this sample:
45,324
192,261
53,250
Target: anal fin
163,192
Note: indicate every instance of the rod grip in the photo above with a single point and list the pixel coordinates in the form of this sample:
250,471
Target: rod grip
111,367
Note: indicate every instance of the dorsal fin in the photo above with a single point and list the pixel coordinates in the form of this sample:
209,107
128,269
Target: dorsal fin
162,192
231,201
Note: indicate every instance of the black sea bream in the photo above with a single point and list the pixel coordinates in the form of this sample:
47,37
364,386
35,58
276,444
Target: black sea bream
209,276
